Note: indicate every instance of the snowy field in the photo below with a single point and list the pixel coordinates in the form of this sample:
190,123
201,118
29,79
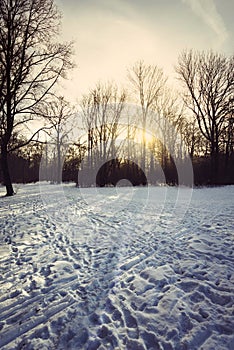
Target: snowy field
125,268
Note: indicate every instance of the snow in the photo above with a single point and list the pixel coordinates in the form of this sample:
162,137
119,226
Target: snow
117,268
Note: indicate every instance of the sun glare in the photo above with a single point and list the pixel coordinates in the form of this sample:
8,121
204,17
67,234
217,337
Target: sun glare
140,135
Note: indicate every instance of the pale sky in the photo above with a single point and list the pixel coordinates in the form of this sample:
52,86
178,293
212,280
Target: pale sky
111,36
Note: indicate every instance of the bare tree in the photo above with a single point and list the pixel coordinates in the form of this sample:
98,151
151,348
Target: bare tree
167,125
147,82
58,114
31,62
209,80
195,142
101,110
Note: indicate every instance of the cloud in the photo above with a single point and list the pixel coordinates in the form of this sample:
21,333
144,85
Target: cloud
207,11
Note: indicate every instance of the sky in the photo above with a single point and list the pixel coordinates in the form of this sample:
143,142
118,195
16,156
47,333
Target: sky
110,36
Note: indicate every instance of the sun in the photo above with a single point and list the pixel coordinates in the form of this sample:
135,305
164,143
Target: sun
140,136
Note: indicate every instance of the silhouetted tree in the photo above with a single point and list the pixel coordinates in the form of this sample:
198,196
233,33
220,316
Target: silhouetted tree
31,62
24,161
209,80
101,111
57,113
147,83
74,156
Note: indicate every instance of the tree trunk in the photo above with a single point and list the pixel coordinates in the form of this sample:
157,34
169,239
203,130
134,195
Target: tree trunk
143,160
5,171
214,168
59,162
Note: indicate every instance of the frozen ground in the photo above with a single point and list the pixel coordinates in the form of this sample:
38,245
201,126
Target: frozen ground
116,270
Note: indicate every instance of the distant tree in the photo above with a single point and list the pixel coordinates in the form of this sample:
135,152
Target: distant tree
196,143
169,123
229,138
101,111
147,82
209,80
57,113
31,62
72,162
24,161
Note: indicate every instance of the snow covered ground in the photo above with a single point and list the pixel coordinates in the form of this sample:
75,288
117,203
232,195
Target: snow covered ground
124,268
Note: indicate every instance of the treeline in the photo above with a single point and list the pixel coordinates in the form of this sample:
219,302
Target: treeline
159,130
146,134
24,170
